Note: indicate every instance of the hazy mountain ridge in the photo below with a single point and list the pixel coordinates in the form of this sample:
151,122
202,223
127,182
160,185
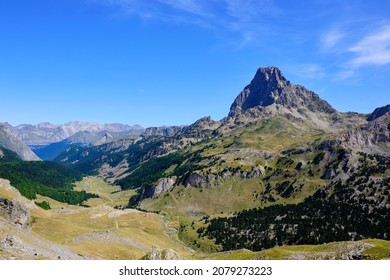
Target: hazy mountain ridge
46,133
80,139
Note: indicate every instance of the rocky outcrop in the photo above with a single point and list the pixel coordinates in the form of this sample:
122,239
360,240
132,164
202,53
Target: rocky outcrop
201,128
157,254
199,180
270,87
162,131
196,180
15,212
162,185
373,137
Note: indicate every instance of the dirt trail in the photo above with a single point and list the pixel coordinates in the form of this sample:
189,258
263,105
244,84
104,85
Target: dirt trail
97,191
170,231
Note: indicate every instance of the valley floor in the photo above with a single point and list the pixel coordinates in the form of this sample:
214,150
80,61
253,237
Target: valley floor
97,230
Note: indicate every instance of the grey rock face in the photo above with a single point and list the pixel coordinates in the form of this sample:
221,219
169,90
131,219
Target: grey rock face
373,137
161,131
15,212
269,87
157,254
196,180
201,128
154,191
378,112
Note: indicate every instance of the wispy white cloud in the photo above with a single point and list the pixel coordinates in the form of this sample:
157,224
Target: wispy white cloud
246,18
353,50
344,74
142,9
189,6
307,70
247,10
330,39
241,18
374,49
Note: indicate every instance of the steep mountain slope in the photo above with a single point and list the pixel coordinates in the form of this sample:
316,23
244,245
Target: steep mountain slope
11,142
79,139
378,112
7,155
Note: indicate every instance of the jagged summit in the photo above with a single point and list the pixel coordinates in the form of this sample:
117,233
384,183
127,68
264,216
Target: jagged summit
269,86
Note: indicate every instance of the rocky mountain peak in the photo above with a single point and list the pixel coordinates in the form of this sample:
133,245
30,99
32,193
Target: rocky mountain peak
269,87
271,75
378,112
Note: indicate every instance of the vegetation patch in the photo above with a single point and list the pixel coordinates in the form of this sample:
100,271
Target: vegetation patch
44,178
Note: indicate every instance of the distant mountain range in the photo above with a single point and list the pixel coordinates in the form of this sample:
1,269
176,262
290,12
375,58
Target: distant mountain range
47,141
47,133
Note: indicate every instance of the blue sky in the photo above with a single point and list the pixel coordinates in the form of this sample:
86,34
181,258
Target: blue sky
171,62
